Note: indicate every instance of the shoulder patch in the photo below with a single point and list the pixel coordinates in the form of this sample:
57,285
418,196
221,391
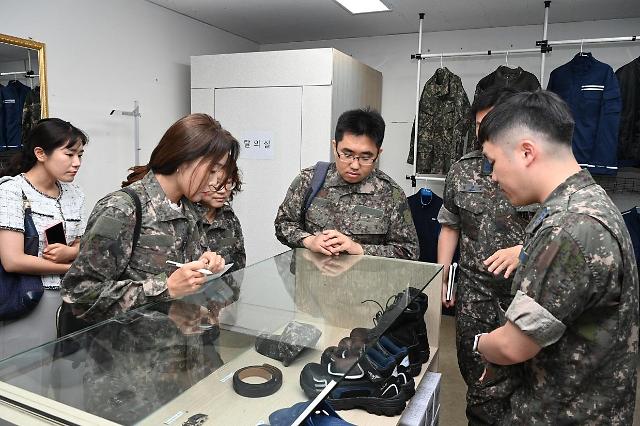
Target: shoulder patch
120,201
107,227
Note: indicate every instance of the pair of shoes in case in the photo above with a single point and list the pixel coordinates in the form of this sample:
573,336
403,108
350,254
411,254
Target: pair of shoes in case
372,383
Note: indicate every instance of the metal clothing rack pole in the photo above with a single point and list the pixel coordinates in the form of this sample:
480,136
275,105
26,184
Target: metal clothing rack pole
431,178
544,49
416,123
479,53
594,40
28,73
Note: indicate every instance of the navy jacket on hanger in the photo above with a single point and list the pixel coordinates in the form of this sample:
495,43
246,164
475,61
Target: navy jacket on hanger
424,212
591,89
13,97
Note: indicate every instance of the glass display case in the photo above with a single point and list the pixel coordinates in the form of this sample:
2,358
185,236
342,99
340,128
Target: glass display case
171,361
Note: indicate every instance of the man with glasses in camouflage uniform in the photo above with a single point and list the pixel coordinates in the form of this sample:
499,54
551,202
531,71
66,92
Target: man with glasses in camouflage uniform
358,209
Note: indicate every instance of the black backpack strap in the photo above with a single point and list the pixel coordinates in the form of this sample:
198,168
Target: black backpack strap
136,201
319,175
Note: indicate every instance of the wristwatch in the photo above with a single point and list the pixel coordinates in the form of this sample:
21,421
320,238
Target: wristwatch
476,340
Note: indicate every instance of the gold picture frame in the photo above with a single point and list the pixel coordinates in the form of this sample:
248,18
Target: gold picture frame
42,66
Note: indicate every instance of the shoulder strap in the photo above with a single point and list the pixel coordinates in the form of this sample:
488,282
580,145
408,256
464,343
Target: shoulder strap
26,204
319,175
136,201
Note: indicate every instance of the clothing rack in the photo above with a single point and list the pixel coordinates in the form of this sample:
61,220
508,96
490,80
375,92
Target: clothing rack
544,46
27,74
594,40
478,53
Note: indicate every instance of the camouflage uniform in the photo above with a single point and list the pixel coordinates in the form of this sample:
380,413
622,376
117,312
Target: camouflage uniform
224,236
374,213
31,112
445,126
107,275
487,222
578,300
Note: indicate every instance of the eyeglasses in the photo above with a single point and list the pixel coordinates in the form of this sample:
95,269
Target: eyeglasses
350,158
227,186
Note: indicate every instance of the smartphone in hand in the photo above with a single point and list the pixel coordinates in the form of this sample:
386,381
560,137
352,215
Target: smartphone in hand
55,234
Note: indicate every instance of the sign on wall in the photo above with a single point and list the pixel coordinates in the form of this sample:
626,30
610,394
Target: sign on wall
257,146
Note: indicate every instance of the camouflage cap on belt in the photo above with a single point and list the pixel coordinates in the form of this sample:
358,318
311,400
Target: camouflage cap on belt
288,345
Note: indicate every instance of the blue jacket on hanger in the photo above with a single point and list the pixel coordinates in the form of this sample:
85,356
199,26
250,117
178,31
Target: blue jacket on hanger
591,89
13,97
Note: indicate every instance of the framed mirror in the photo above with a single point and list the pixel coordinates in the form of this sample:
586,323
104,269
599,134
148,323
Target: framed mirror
23,90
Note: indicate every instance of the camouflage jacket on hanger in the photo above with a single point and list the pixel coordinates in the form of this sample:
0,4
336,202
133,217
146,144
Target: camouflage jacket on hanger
445,127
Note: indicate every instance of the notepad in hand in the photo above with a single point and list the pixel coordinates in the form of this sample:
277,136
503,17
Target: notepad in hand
210,275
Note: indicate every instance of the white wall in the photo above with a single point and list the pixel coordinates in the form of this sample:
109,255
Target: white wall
391,56
103,55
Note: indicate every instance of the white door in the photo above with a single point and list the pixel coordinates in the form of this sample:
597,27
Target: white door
259,114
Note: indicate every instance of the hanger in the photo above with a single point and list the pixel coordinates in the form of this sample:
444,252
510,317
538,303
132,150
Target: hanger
506,58
441,55
426,195
581,52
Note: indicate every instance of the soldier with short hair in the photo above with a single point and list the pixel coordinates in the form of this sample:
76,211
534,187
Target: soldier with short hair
573,322
358,209
477,217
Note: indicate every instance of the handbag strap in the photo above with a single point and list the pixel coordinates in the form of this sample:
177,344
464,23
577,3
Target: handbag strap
26,204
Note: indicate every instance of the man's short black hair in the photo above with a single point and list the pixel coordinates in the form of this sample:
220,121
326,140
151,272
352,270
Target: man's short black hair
541,111
490,98
360,122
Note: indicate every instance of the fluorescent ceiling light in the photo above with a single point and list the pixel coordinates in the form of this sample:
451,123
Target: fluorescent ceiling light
363,6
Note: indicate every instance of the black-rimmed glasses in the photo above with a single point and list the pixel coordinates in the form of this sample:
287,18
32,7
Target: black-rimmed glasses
227,186
364,160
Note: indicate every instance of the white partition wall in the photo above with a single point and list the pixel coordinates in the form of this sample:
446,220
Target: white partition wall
282,106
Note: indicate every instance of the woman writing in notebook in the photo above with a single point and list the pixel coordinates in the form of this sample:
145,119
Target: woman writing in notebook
119,269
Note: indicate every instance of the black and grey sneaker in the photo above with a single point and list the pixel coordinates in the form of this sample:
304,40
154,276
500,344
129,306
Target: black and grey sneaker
387,398
358,389
382,356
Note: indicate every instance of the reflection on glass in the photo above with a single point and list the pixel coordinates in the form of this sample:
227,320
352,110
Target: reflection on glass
155,362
